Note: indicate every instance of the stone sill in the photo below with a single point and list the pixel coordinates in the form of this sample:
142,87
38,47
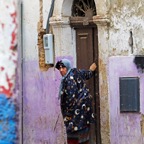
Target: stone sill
99,20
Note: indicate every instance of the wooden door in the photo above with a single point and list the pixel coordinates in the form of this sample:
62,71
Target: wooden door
87,53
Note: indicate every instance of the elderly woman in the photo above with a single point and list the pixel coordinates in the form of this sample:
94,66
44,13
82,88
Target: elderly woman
76,101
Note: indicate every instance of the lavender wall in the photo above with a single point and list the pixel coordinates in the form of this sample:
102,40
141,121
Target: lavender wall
40,104
42,119
125,128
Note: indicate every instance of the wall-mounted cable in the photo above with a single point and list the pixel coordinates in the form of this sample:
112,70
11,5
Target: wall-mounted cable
50,14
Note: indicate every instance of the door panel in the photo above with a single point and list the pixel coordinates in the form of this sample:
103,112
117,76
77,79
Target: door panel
87,53
84,47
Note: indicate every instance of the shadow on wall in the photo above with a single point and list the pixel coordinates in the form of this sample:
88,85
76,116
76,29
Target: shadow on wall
139,62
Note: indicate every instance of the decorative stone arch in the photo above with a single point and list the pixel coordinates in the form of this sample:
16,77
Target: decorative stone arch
63,7
66,8
64,37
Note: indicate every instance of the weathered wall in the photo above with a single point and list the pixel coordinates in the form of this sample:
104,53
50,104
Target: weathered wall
125,16
8,62
126,128
42,117
29,21
41,106
42,120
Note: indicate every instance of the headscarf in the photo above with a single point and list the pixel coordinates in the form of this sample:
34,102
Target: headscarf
63,63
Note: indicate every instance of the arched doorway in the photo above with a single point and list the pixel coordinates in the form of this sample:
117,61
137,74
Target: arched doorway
72,34
86,35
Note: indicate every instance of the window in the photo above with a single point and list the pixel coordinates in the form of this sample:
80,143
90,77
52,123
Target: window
83,8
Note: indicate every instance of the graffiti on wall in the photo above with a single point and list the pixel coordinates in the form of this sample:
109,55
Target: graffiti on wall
8,64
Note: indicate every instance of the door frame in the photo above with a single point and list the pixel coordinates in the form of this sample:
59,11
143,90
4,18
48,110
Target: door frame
77,23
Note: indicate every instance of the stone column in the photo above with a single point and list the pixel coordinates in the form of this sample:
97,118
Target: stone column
64,39
102,23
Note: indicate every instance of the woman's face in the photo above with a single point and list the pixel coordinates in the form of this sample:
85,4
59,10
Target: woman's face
63,71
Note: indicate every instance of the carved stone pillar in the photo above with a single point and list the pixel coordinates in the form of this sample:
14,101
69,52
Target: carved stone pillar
102,23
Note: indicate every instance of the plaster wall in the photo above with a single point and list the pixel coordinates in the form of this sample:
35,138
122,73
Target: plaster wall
41,106
64,42
126,128
46,9
42,120
9,114
42,117
30,18
126,16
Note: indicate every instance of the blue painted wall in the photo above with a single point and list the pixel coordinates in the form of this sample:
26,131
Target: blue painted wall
8,121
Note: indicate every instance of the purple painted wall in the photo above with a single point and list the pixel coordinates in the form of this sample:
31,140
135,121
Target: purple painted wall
40,104
124,128
42,119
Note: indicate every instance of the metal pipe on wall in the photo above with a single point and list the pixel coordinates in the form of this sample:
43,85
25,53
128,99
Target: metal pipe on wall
50,14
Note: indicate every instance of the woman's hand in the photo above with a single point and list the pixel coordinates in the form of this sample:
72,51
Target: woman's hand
93,67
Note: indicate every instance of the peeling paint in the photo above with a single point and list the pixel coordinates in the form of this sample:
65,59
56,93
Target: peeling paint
43,66
126,16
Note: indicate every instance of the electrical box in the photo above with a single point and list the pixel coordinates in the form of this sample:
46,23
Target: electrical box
48,47
129,94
